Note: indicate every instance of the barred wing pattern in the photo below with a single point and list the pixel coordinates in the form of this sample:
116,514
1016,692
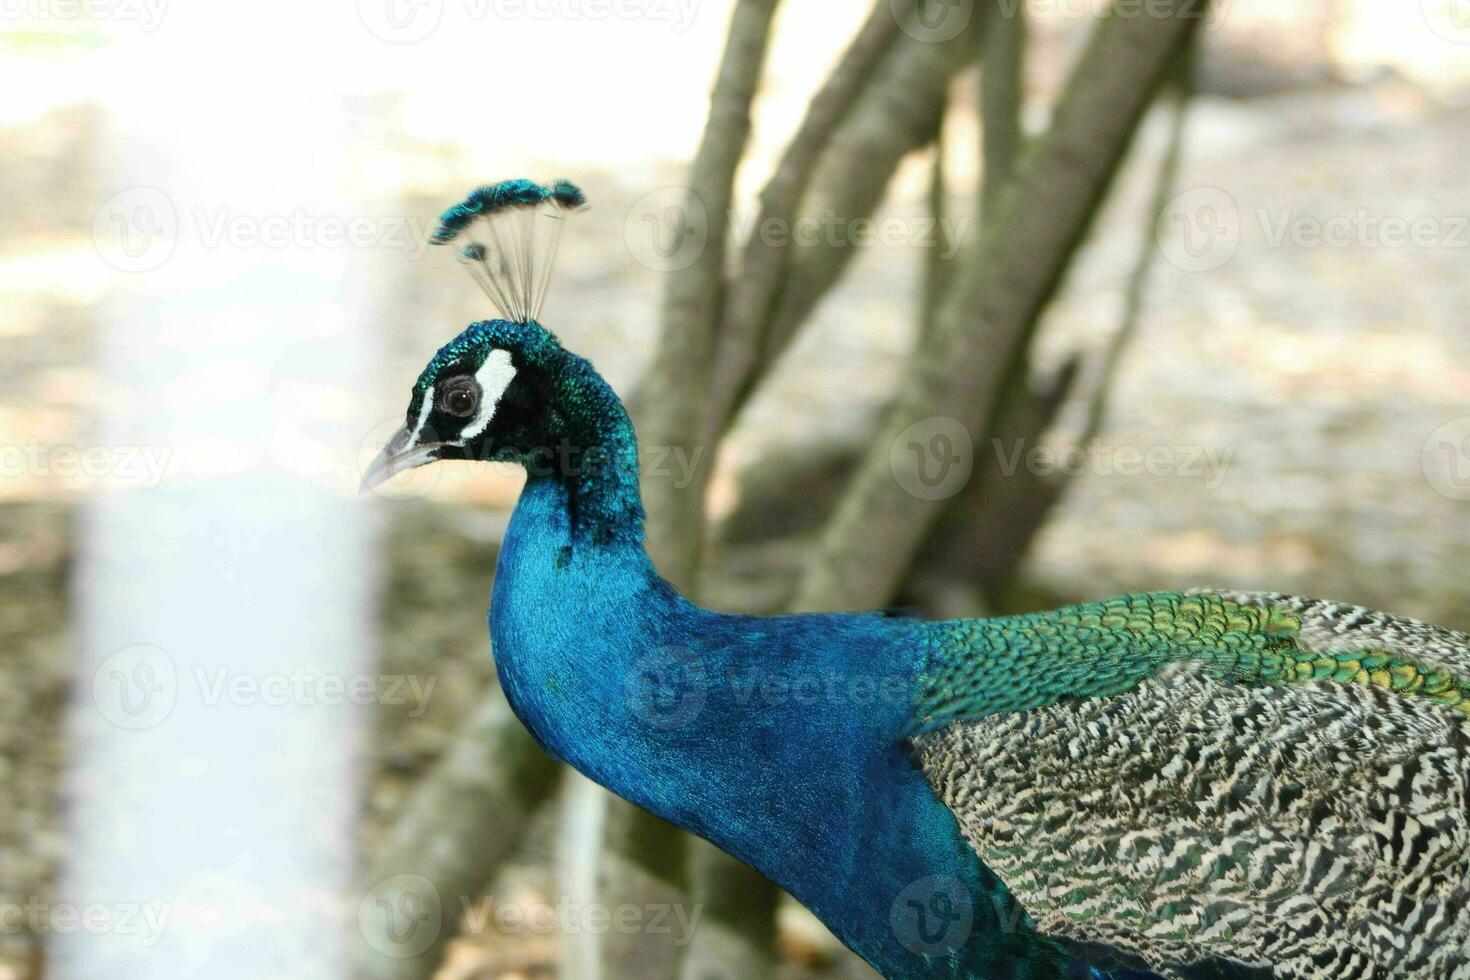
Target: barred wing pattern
1311,829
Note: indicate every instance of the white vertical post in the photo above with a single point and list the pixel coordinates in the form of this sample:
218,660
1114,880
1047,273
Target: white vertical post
225,612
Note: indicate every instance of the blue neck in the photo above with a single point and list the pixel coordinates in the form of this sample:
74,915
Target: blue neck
779,739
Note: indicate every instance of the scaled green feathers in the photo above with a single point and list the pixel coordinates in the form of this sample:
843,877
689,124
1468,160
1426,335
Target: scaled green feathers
980,667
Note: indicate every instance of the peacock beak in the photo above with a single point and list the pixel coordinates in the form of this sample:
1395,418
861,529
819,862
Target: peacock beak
399,455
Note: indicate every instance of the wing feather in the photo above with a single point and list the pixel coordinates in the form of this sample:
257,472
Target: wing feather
1316,829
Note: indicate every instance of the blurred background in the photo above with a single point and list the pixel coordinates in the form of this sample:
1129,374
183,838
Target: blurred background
1204,309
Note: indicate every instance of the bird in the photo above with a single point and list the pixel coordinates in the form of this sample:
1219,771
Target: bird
1186,785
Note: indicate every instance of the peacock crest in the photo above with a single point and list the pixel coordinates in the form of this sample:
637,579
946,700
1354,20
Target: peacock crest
511,231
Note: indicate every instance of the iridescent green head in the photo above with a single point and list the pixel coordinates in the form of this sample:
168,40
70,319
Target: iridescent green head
505,389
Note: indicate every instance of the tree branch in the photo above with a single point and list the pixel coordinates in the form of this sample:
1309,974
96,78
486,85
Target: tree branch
897,112
764,262
959,369
675,398
1001,95
463,820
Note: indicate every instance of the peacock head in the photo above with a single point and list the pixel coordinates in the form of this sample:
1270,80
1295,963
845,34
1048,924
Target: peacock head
503,389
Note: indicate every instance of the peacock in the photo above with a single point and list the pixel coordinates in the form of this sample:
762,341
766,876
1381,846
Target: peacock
1181,784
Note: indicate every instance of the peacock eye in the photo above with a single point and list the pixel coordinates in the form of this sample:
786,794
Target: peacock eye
460,396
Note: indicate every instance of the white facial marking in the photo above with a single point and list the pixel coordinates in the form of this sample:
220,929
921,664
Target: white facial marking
494,377
424,408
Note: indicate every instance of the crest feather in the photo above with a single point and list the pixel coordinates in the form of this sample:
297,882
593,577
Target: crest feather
511,231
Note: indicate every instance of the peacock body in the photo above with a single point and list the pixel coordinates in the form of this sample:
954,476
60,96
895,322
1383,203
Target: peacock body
1195,785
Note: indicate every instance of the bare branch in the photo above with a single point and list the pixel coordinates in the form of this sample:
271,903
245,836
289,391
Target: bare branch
939,260
959,369
463,820
676,393
764,263
1001,95
896,113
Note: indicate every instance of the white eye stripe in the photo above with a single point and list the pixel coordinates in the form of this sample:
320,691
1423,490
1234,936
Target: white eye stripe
425,407
494,377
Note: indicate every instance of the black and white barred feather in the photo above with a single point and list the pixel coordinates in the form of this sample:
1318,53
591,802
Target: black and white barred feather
1313,831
